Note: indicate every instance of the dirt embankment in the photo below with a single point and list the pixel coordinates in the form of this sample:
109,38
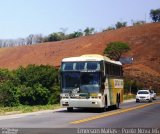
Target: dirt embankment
144,41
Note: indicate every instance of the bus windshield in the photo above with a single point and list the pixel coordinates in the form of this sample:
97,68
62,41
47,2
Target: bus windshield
77,66
86,82
90,82
70,81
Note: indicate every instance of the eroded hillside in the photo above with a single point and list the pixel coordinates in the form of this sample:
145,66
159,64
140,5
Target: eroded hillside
144,41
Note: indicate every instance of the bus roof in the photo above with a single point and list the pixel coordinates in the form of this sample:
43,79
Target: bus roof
90,57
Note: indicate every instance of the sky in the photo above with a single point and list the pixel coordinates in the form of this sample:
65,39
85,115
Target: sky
19,18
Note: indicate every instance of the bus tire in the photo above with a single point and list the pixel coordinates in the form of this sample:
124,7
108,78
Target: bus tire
104,109
70,109
117,101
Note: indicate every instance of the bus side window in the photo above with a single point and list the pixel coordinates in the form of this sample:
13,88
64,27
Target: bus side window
114,69
106,68
118,70
113,72
121,71
110,69
102,67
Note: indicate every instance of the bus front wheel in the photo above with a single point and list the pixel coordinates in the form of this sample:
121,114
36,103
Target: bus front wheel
104,109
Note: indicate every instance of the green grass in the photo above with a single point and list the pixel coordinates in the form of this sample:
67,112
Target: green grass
26,109
129,96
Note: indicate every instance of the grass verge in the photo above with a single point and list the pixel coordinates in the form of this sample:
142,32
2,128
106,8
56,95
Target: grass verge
26,109
129,96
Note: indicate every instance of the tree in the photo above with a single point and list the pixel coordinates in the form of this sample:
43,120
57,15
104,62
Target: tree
114,50
75,34
89,31
155,15
109,28
120,24
56,36
140,22
37,38
29,39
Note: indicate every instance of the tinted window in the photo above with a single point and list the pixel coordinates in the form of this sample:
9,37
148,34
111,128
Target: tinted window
70,80
90,82
80,65
107,68
70,66
93,66
90,78
67,66
143,92
112,69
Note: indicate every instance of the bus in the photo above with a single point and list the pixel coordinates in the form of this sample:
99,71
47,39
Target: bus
91,81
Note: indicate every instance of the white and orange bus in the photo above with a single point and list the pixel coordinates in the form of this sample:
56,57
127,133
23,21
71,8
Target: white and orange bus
91,81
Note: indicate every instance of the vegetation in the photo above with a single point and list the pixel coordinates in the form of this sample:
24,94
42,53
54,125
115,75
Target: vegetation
129,96
132,86
33,85
155,15
88,31
56,37
138,23
75,34
109,29
120,24
26,108
31,39
114,50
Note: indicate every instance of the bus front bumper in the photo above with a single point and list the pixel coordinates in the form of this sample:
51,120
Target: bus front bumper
82,103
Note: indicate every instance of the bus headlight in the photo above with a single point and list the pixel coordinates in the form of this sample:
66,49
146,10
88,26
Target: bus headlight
64,96
96,95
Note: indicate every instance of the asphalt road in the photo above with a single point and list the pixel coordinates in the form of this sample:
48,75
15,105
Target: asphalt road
130,115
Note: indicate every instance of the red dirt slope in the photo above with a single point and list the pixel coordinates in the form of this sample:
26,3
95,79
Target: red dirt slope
144,41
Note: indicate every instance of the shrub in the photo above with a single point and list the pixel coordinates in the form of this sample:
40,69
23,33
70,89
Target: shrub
36,95
9,94
33,85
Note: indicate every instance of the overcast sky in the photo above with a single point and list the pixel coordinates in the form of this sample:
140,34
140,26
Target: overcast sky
19,18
